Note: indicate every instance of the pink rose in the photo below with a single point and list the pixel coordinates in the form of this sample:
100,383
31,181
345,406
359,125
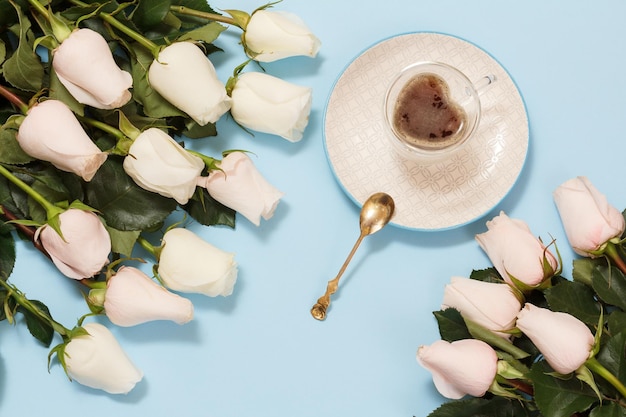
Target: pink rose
185,77
492,305
189,264
85,66
84,248
240,186
51,132
589,220
133,298
564,341
459,368
515,252
98,361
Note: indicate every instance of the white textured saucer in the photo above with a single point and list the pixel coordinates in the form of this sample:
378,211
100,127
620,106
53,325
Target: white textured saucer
435,196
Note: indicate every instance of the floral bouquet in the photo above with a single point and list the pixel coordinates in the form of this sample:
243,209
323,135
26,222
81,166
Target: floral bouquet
519,339
97,102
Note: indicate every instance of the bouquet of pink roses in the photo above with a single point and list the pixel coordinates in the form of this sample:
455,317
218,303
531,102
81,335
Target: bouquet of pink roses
519,339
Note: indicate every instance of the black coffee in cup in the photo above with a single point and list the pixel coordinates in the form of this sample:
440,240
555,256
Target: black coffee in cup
426,116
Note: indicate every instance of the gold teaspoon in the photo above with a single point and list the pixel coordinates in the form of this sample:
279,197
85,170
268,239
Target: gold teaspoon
375,214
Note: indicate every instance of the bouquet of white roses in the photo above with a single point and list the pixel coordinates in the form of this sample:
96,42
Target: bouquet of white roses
98,100
521,339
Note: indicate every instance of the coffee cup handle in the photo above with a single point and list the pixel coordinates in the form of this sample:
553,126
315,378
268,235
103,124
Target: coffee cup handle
484,83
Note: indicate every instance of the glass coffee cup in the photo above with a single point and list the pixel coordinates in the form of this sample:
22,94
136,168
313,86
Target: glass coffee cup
432,110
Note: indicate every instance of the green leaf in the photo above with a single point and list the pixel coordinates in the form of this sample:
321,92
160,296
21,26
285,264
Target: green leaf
576,299
10,150
149,13
7,251
207,211
557,397
122,242
24,69
610,285
487,275
473,407
40,329
123,204
582,269
608,410
207,33
451,325
616,322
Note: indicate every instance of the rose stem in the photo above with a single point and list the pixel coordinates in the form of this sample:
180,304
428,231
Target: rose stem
19,297
110,19
13,99
598,368
611,252
203,15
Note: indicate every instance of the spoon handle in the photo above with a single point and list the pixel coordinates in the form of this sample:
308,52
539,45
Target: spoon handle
318,311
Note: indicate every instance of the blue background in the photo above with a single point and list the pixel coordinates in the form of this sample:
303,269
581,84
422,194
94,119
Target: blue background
258,352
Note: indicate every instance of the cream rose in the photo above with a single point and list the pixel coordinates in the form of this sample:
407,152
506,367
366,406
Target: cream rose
564,341
185,77
51,132
85,66
189,264
589,220
268,104
158,164
274,35
492,305
467,366
239,185
515,252
98,361
133,298
84,248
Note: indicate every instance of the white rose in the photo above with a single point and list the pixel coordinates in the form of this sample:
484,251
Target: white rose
185,77
84,248
189,264
85,66
133,298
268,104
51,132
492,305
158,164
516,252
98,361
239,185
589,220
273,35
564,341
459,368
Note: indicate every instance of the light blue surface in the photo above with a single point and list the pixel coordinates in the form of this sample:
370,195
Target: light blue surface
259,352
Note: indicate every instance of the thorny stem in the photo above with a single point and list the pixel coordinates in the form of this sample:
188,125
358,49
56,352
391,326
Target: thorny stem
204,15
611,252
26,230
21,299
50,208
13,99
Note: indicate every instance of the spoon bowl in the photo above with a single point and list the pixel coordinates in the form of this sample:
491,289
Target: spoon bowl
376,212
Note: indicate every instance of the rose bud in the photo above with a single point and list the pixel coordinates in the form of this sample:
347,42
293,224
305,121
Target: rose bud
158,164
133,298
83,249
98,361
189,264
467,366
516,253
85,66
268,104
239,185
273,35
491,305
51,132
564,341
185,77
589,220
